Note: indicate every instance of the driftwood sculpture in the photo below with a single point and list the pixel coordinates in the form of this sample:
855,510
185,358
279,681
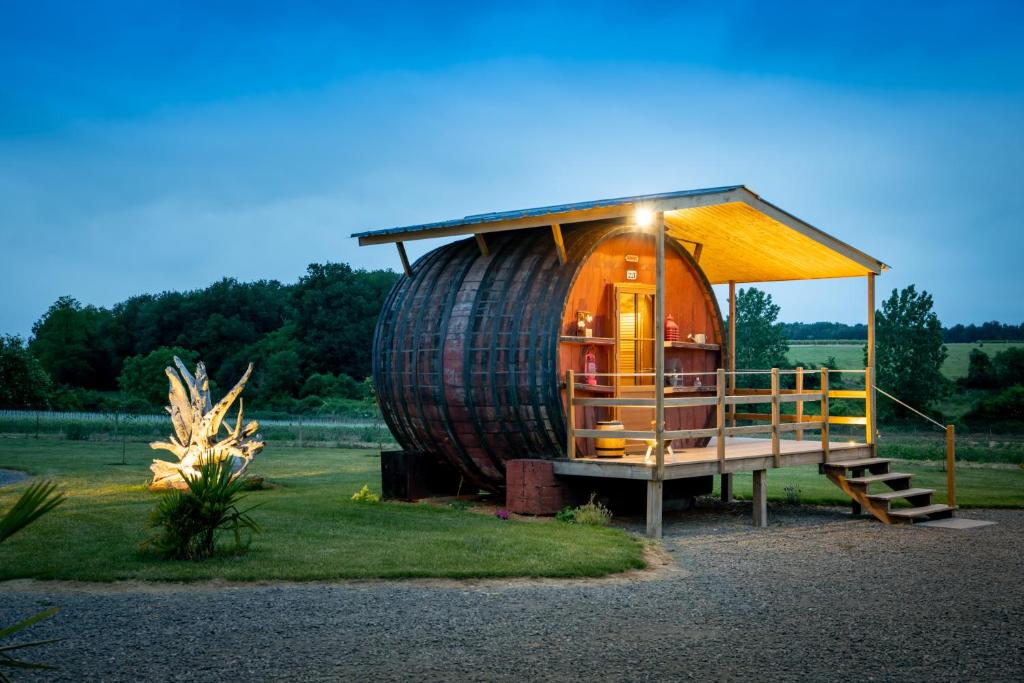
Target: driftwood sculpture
197,423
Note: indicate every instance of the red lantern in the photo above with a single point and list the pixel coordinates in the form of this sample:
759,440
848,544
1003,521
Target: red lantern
671,329
590,366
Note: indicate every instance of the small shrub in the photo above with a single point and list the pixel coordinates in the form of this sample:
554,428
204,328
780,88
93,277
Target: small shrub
792,493
566,515
592,513
459,504
1006,407
365,495
189,522
75,432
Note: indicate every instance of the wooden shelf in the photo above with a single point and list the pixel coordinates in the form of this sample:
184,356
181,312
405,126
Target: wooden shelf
692,346
689,390
594,388
586,341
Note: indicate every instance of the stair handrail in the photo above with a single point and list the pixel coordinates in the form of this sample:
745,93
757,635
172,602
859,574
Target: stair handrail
950,446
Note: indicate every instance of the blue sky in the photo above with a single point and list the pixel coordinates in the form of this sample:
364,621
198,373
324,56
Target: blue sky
149,146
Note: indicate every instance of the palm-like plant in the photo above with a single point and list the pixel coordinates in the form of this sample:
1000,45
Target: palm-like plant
189,521
36,501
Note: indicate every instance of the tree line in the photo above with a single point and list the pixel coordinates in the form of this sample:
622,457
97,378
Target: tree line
310,342
909,353
957,334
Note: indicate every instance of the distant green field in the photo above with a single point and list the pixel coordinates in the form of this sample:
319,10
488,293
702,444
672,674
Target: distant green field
851,356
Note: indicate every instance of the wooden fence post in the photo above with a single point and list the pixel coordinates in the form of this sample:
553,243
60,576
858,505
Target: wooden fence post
799,404
732,349
824,412
570,415
720,418
950,466
776,450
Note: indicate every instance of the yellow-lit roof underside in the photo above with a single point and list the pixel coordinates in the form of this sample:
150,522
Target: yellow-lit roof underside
743,244
743,238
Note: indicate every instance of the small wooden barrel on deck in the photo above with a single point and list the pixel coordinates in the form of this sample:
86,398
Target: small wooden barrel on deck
610,447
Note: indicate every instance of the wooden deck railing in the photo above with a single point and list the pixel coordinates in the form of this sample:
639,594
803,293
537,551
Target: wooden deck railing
725,402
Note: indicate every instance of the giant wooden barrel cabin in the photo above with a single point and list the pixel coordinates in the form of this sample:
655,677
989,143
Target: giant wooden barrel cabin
471,351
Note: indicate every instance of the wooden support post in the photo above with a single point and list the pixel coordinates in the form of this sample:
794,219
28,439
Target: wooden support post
870,423
776,450
659,348
732,349
570,414
799,404
697,249
824,413
720,418
950,466
654,495
556,232
726,487
760,498
405,259
481,242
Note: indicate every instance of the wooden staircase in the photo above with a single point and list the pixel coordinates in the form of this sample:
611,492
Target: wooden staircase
874,471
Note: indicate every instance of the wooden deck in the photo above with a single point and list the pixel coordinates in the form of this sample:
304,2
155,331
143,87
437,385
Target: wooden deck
741,455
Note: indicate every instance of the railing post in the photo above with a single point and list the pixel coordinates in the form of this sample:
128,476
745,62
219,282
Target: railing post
659,352
570,414
950,466
824,412
776,452
732,350
869,406
799,404
720,418
870,409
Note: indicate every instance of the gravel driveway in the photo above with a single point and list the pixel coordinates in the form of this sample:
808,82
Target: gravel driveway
817,596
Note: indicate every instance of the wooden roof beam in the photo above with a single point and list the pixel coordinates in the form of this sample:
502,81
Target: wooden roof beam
405,259
481,242
556,232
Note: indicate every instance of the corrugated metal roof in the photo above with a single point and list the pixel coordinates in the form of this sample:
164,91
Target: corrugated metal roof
481,218
743,237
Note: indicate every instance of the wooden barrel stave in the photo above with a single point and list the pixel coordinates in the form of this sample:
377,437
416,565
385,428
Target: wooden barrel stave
467,362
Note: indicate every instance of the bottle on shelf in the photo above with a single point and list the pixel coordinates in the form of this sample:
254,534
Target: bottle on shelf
590,366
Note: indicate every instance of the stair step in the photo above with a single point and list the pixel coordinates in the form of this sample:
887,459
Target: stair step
857,464
875,478
924,511
901,493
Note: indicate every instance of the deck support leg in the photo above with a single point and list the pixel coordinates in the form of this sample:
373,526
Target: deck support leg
760,498
855,508
654,499
726,488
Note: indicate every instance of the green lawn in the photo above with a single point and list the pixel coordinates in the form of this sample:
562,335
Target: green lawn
988,488
851,356
312,530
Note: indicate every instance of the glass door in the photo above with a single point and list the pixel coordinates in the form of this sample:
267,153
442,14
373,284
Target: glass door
634,334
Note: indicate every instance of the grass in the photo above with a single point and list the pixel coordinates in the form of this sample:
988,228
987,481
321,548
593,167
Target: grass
975,488
312,530
851,356
94,427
